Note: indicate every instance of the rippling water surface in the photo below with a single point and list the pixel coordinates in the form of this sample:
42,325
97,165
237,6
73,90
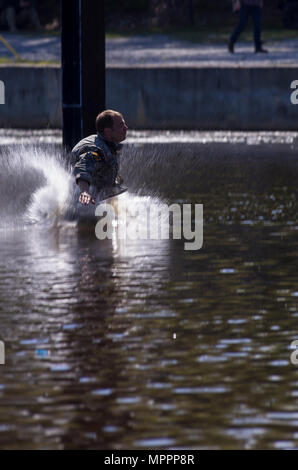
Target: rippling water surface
142,345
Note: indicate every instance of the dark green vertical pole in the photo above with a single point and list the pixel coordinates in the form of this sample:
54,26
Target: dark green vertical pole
83,67
93,63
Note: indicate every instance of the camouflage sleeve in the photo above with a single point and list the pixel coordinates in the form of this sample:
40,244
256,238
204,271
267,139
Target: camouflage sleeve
84,168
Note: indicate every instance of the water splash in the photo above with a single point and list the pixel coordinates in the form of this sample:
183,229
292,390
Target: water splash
35,186
51,201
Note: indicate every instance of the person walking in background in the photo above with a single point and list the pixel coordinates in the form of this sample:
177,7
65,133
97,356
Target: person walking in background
248,8
18,14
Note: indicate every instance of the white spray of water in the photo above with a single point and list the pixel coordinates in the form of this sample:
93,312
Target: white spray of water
35,186
49,201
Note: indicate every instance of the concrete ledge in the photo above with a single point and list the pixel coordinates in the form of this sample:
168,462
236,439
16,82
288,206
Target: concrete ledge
205,98
32,97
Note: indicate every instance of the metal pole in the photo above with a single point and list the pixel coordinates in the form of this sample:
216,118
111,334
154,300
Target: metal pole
83,67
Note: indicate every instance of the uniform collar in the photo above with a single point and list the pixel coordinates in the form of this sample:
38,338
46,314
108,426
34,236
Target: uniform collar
113,146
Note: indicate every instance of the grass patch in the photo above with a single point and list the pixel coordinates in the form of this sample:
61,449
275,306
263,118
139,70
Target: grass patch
5,60
9,61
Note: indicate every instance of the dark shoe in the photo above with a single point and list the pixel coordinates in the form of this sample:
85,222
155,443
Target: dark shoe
261,50
231,47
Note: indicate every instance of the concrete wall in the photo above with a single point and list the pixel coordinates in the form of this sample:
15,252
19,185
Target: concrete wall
32,97
205,98
162,98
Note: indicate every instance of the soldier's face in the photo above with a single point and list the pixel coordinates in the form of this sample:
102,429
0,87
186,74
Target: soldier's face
118,133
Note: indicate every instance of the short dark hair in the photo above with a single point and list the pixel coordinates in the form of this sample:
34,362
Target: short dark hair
106,119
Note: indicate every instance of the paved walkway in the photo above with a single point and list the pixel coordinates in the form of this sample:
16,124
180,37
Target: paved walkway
159,50
162,51
32,47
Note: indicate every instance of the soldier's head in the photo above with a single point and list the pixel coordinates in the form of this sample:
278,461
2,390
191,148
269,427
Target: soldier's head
111,125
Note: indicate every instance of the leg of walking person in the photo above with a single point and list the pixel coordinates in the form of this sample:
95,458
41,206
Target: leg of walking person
257,20
3,20
28,17
10,16
244,14
34,18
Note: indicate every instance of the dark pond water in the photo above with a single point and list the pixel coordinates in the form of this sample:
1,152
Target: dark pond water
140,344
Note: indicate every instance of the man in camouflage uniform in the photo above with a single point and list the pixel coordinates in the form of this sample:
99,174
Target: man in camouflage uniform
96,158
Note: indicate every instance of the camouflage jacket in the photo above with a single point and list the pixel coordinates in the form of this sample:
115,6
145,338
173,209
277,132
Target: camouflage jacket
96,161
